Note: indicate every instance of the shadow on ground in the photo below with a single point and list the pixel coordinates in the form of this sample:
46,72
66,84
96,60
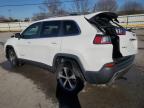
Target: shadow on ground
123,94
46,82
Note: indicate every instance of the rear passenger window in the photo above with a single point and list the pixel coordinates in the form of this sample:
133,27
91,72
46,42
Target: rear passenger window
70,28
50,29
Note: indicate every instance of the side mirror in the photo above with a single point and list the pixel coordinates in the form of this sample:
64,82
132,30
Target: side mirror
17,35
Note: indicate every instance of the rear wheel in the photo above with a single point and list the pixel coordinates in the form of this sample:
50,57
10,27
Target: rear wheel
68,77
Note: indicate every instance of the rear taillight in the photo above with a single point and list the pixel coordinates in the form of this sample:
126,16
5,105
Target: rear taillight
101,39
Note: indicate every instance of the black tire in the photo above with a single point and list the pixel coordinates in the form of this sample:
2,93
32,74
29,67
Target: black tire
12,58
68,77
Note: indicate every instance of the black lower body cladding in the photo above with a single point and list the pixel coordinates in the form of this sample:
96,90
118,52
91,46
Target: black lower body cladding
106,75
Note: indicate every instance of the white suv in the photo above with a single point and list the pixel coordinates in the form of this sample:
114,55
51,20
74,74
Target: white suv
92,48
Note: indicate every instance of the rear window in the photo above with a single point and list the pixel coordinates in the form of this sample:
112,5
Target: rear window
70,28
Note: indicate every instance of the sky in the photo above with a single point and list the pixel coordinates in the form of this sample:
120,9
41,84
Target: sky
21,12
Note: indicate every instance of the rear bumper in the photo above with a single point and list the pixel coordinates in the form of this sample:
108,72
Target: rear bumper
106,75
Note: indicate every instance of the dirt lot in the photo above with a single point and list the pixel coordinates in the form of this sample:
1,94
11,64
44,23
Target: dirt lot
32,87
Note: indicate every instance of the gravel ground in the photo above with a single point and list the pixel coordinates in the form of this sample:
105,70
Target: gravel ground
17,91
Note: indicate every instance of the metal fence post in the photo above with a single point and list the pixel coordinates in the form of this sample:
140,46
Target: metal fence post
9,27
20,26
127,21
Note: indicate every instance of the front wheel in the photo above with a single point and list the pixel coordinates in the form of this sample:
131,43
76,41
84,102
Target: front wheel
68,77
12,58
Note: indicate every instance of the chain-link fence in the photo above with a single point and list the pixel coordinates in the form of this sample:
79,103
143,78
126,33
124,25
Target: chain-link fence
134,21
13,26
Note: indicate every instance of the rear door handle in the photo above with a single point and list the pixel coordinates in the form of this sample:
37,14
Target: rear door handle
54,43
132,39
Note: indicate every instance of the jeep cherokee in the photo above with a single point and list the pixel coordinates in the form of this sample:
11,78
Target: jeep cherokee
92,48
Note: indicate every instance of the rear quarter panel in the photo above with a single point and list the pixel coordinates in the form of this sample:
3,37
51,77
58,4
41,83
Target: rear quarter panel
92,57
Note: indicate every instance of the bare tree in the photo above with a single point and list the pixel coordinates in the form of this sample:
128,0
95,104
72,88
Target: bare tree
50,8
132,7
26,20
3,19
106,5
53,8
82,6
39,16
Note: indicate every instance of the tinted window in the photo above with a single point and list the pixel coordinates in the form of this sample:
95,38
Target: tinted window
32,31
50,29
70,28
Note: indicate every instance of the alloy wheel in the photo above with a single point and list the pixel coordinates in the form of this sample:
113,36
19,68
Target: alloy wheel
12,57
67,78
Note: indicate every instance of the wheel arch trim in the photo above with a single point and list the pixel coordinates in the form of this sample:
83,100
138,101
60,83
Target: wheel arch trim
8,46
69,56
